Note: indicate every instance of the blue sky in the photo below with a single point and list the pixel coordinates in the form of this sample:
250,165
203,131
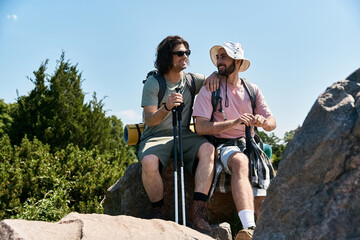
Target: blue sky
296,48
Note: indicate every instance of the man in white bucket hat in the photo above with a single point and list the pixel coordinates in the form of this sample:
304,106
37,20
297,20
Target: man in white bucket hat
227,124
234,51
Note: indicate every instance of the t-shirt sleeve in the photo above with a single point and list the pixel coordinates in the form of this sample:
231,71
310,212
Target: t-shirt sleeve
202,105
199,80
261,106
150,92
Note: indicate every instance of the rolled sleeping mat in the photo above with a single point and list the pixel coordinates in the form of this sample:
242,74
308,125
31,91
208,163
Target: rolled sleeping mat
132,133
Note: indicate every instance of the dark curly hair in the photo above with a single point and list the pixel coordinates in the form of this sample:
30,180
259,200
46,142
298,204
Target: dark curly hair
164,56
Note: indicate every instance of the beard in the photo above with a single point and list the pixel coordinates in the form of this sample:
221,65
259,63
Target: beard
227,70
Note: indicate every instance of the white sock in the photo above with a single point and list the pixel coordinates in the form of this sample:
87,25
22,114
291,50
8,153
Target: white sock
247,218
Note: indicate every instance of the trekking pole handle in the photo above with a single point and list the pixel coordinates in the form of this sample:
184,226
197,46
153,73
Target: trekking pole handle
181,106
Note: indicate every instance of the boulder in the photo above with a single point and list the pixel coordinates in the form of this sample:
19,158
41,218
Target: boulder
316,193
97,226
128,197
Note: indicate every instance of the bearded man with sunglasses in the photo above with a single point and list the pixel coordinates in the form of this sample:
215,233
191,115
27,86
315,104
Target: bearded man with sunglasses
156,146
228,126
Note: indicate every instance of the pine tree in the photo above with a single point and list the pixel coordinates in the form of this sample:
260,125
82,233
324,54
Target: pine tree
55,113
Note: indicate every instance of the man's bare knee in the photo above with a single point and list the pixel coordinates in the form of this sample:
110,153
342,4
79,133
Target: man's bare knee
238,163
206,152
150,163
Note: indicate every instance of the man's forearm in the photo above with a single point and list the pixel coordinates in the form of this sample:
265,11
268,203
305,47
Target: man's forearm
156,117
269,124
204,127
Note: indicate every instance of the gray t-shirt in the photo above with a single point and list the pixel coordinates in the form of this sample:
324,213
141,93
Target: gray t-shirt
150,98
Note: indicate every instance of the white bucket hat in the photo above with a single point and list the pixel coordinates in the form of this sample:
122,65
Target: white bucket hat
234,50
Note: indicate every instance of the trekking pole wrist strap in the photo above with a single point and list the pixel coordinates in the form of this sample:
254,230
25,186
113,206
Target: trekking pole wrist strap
166,107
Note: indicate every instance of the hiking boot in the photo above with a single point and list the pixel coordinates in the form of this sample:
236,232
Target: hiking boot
156,212
245,234
198,217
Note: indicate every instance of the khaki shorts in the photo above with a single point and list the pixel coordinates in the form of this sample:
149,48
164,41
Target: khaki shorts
162,147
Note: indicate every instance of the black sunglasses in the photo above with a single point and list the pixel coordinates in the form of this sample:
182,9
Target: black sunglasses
181,53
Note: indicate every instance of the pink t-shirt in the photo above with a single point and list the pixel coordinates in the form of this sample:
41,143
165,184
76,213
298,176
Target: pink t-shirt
239,103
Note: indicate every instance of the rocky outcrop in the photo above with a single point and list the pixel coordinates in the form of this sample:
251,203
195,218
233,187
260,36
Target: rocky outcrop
127,196
97,227
316,193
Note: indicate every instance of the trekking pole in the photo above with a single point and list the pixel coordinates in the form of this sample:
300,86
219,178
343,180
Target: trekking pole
175,165
180,108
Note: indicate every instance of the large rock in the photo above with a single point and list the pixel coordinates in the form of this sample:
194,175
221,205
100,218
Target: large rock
316,193
97,227
127,196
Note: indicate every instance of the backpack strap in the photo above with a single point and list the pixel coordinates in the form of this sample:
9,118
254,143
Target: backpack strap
249,88
162,87
191,84
192,87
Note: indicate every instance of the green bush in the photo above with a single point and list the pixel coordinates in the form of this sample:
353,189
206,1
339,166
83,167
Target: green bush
57,153
39,185
52,207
